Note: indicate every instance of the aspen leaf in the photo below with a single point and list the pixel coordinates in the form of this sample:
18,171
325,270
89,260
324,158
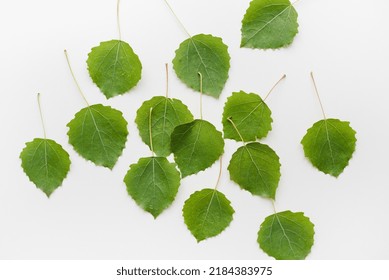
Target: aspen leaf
153,183
269,24
207,213
203,54
166,114
114,67
250,114
98,133
255,167
45,163
329,145
286,236
196,146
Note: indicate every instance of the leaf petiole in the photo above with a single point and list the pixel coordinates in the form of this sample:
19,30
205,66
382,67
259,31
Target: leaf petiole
220,172
318,96
118,19
150,133
74,78
179,21
167,79
275,85
40,112
236,128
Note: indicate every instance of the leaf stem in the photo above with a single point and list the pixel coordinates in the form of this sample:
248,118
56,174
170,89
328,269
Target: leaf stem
201,94
150,133
220,172
167,80
118,19
274,206
236,128
40,112
179,21
275,85
318,96
74,78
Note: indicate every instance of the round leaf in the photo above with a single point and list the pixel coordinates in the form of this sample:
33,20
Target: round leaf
269,24
205,54
329,144
114,67
167,113
45,163
207,213
98,133
250,114
255,167
286,236
153,183
196,146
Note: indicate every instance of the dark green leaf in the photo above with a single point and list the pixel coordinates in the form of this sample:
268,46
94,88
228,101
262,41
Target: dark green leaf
153,183
46,164
114,67
329,144
207,213
205,54
167,113
286,236
255,167
250,114
269,24
196,146
98,133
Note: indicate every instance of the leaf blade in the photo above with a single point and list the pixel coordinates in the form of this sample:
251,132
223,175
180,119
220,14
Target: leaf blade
196,146
153,183
207,213
249,113
167,113
98,133
45,163
286,236
255,167
114,67
205,54
329,145
269,24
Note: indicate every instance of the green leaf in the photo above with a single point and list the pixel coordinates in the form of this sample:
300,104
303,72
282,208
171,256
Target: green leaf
114,67
167,113
249,113
196,146
207,213
269,24
98,133
153,183
255,167
205,54
329,144
286,236
45,163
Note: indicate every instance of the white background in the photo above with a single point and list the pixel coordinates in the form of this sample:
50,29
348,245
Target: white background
92,217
